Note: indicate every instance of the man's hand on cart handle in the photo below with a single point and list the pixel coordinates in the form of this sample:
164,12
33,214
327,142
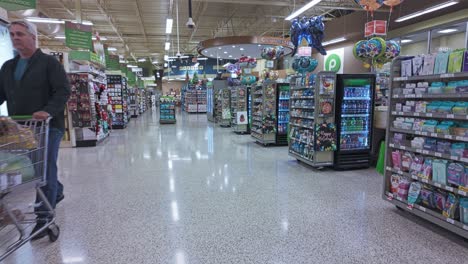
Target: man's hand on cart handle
41,115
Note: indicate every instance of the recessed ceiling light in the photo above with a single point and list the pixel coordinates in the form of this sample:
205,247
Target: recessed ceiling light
241,48
230,56
406,40
205,51
233,46
225,52
211,55
259,45
220,48
448,30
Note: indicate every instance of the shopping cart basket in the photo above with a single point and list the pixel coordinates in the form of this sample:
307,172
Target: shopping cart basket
23,166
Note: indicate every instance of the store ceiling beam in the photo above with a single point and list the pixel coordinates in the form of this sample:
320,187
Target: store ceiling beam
140,20
249,2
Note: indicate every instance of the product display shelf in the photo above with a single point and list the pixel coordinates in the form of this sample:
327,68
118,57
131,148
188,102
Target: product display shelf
134,102
283,113
167,110
265,108
224,107
191,101
428,153
239,107
142,98
201,100
88,103
305,93
210,102
118,100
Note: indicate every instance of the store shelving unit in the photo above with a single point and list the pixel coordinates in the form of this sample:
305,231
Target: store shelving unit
118,99
223,107
142,98
239,107
306,96
190,101
88,103
399,141
283,112
134,102
201,100
264,109
210,102
167,110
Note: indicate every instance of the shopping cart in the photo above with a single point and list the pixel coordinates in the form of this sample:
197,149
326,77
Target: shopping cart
23,166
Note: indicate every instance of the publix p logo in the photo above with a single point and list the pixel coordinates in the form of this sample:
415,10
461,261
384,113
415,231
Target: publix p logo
333,63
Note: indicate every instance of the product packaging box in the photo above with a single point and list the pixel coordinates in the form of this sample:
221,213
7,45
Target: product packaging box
441,62
465,61
406,68
418,63
456,61
429,63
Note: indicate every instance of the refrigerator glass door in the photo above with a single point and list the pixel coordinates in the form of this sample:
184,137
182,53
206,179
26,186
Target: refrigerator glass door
6,53
356,115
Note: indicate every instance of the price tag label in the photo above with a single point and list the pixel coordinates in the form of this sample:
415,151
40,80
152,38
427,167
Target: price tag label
465,227
451,116
438,154
459,138
410,206
425,180
419,95
451,221
425,152
449,188
416,114
411,95
392,145
448,136
429,114
462,192
396,96
437,184
447,75
422,208
403,147
424,133
401,113
433,134
399,199
389,168
453,157
390,197
400,172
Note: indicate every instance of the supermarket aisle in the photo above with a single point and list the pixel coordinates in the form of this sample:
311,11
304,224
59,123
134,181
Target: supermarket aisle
196,193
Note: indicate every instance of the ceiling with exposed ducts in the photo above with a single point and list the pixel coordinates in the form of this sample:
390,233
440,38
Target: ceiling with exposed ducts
137,28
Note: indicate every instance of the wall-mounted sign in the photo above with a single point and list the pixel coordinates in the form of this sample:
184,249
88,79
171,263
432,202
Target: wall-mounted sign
376,28
78,36
334,60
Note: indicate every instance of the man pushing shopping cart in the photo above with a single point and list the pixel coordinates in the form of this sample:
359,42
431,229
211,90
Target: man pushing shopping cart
36,84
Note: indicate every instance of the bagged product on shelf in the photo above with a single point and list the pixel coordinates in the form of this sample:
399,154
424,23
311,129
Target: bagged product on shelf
427,197
432,107
429,63
450,207
403,188
418,64
396,159
406,161
413,192
444,127
443,146
441,62
417,142
455,173
460,108
430,144
417,165
456,61
457,149
395,182
406,68
464,210
439,199
420,107
465,61
439,171
445,107
426,172
398,138
429,126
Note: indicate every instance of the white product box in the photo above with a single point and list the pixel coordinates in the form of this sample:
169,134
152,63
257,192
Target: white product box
3,181
406,68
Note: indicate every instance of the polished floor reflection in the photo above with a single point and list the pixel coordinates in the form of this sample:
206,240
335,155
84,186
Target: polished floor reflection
197,193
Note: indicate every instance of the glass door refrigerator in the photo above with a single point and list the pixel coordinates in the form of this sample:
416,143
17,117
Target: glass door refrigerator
282,113
354,117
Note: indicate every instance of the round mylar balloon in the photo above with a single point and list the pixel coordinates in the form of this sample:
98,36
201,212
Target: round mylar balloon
392,50
307,64
392,3
375,47
360,50
370,5
248,79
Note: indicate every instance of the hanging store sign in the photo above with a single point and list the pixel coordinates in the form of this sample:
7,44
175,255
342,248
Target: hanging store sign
78,36
304,51
376,28
15,5
112,63
334,60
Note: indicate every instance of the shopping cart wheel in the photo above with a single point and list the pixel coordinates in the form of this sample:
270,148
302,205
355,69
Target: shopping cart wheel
53,232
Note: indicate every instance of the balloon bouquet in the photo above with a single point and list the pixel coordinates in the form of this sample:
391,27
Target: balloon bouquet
313,31
271,53
376,51
236,68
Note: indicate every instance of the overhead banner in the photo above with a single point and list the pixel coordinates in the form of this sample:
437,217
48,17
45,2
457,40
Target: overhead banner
112,63
15,5
78,36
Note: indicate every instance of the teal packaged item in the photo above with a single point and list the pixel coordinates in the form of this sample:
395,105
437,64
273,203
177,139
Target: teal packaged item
444,127
438,84
455,173
430,126
435,90
460,108
450,208
413,193
457,149
446,107
439,171
441,62
433,107
464,210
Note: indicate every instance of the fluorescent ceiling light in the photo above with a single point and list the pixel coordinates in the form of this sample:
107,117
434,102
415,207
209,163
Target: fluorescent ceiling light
94,38
303,9
219,48
406,40
54,20
233,46
112,49
202,59
166,57
59,37
167,46
230,56
142,60
427,10
448,30
131,66
122,61
169,22
333,41
241,48
225,52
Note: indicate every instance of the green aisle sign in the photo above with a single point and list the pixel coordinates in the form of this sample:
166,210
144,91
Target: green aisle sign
78,36
15,5
112,62
131,78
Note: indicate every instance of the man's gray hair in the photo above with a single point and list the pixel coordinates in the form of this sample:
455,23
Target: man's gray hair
30,27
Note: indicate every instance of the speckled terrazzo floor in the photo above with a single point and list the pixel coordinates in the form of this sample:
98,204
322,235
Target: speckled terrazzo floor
196,193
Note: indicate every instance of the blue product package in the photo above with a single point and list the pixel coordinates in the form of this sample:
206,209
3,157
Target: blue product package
413,192
444,127
429,126
432,107
430,144
439,171
464,210
457,149
455,173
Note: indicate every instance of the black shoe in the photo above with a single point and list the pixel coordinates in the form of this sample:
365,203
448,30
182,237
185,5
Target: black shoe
59,198
40,235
